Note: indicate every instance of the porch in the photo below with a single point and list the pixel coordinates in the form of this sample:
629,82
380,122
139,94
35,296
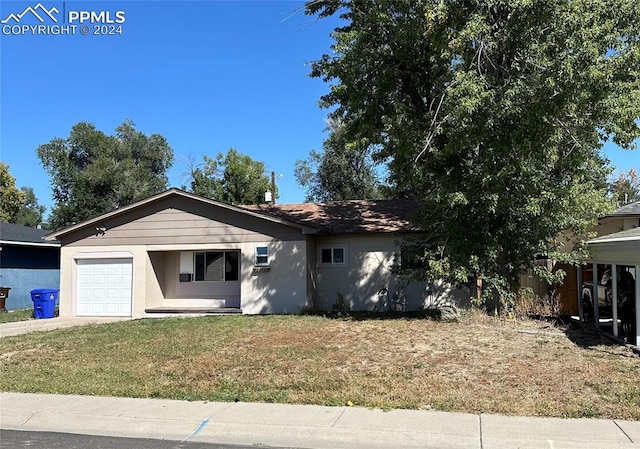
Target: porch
193,282
187,310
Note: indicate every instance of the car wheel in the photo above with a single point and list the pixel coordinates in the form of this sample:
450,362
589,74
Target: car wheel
629,329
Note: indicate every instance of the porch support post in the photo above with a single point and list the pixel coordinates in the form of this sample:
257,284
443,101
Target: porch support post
579,289
637,304
614,300
595,283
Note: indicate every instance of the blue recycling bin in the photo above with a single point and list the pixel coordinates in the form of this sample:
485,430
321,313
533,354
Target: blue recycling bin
44,302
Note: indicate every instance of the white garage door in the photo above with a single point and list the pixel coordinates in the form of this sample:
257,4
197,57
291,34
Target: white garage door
104,287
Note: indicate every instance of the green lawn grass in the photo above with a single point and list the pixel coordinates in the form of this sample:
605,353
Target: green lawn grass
16,315
468,366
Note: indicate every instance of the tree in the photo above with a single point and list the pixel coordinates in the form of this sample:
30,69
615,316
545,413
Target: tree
625,188
233,178
31,212
93,173
11,199
343,171
493,112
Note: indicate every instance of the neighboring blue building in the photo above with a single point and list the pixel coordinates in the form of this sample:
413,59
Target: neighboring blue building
27,262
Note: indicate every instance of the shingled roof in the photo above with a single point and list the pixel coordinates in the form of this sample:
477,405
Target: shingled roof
629,234
348,217
628,210
23,235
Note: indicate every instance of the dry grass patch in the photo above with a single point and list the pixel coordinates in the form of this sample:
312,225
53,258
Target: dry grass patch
478,365
16,315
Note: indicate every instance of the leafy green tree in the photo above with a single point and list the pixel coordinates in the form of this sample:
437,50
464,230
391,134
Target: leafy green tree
31,212
93,173
493,112
11,199
233,178
343,171
625,188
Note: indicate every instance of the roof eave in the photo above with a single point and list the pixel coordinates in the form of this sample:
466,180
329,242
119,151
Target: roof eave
43,244
173,191
612,240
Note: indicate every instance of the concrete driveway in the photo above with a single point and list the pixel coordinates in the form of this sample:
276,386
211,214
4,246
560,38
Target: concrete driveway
23,327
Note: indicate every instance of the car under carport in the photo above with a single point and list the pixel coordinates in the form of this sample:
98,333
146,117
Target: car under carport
615,251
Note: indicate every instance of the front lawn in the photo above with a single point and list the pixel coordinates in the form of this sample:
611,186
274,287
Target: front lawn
475,366
16,315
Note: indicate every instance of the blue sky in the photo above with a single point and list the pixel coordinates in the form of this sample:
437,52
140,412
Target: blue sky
207,75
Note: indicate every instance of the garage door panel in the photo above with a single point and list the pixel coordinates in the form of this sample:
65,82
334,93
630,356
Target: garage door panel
112,309
83,309
98,279
113,294
104,287
113,279
97,309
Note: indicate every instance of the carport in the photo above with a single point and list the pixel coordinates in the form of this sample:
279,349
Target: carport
614,251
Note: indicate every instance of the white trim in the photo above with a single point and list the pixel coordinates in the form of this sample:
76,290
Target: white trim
333,246
637,266
224,264
9,242
614,239
579,289
614,299
256,255
194,247
104,255
109,259
594,296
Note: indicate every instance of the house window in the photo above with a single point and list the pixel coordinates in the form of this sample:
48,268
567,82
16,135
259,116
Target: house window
217,266
333,256
186,266
412,257
262,256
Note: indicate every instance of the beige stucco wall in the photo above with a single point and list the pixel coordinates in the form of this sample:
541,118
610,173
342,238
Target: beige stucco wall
606,226
630,223
611,225
368,270
281,289
69,280
154,294
153,237
312,277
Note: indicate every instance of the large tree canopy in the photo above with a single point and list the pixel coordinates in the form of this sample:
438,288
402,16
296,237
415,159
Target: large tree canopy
31,212
342,171
234,178
11,198
493,112
18,206
92,173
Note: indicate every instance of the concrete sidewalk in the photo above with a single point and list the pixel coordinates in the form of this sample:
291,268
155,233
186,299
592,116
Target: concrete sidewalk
305,426
24,327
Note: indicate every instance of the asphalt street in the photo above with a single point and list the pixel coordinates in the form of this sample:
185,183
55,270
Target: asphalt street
13,439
